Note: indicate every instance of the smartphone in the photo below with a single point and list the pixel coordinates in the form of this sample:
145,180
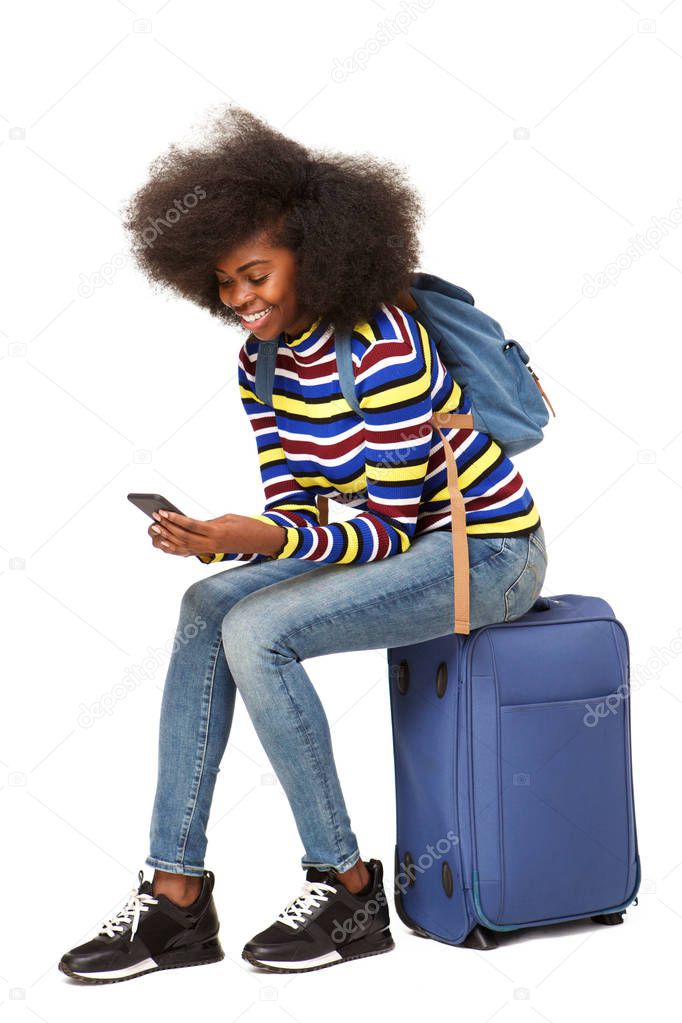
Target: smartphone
149,503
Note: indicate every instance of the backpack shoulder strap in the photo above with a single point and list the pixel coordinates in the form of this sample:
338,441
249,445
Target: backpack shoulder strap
266,357
344,363
431,282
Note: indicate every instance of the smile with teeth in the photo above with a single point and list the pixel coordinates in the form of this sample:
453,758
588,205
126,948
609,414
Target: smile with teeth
254,317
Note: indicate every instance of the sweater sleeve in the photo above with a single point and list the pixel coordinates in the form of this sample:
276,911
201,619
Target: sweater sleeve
287,503
394,381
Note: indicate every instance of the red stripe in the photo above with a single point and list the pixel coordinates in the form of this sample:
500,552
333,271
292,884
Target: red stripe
408,510
285,486
264,421
514,486
384,544
387,349
315,448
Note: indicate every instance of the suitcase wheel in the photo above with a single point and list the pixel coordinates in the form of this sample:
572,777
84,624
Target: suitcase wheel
480,938
403,677
609,918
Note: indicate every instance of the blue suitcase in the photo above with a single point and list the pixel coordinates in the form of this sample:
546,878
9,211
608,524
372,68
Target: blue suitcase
514,797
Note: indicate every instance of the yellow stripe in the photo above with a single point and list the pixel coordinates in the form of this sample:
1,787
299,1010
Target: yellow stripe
311,411
507,525
393,395
352,552
366,331
296,339
271,455
289,544
477,469
404,539
453,400
352,486
247,393
398,473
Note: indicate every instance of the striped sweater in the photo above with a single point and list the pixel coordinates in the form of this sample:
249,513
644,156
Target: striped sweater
389,464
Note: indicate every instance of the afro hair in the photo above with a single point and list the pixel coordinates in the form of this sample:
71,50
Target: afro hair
351,221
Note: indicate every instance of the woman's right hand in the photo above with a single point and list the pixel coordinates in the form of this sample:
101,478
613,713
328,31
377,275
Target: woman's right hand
157,538
156,542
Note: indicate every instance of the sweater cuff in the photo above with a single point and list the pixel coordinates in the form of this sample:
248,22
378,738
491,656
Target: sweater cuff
290,533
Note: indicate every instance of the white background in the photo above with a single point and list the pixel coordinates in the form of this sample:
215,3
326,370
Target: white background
544,137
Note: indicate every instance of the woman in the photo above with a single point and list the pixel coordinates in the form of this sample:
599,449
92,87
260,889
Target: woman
288,244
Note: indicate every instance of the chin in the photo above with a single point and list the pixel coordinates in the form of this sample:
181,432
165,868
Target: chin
267,333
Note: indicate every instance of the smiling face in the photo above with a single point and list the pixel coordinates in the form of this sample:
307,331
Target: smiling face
256,277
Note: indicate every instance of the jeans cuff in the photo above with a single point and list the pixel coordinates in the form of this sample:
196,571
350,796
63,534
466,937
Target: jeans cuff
174,868
342,867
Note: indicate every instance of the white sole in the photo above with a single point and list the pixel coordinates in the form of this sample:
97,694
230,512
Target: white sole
308,964
128,971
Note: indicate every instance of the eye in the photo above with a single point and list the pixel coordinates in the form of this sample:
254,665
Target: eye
252,280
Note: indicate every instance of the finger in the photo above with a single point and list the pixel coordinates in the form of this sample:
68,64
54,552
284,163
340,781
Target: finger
178,551
158,539
171,542
177,535
179,521
169,547
174,531
158,533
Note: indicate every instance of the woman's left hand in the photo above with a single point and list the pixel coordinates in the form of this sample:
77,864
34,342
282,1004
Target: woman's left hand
228,534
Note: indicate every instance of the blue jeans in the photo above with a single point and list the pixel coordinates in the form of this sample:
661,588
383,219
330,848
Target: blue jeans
249,628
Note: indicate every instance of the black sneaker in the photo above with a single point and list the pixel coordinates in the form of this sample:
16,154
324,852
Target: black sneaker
149,933
324,925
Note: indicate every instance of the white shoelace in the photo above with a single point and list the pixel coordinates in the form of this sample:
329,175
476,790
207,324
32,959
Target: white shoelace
312,895
136,904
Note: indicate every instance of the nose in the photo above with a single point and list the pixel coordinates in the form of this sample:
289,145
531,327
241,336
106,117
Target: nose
240,298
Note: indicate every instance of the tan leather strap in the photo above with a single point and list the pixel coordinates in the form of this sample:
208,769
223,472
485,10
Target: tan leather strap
546,400
460,549
323,509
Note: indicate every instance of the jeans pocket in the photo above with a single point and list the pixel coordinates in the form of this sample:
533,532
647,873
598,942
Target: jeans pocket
525,590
